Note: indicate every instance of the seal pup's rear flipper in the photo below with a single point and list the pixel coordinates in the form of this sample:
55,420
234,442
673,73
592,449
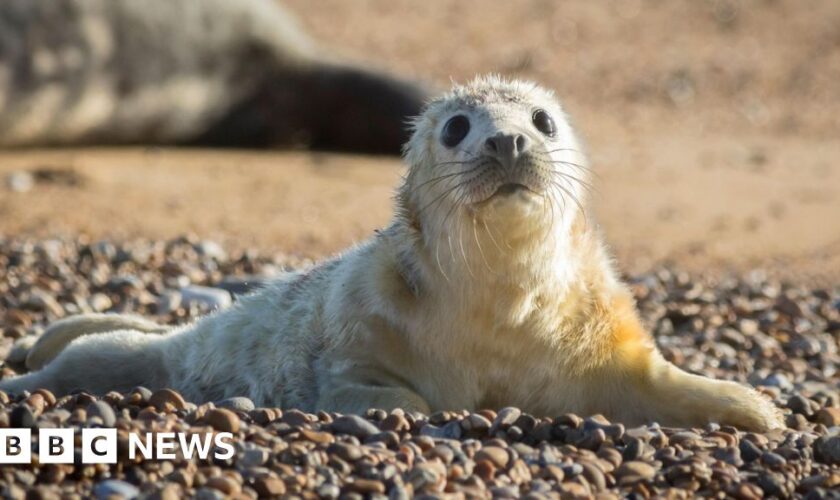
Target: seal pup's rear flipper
62,332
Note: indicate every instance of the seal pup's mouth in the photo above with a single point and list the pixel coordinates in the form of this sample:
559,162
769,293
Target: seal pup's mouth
509,188
509,194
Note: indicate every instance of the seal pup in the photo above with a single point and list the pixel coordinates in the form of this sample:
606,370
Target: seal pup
490,287
234,73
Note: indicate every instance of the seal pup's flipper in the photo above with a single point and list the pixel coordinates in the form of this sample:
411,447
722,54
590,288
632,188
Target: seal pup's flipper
62,332
113,361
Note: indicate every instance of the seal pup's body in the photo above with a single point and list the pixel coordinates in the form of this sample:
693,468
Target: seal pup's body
206,72
489,288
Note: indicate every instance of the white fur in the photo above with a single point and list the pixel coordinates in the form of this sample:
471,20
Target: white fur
467,302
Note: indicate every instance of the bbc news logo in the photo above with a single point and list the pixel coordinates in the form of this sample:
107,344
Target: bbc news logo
99,446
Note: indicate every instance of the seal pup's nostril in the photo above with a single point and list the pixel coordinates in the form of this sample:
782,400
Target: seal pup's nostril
521,143
506,148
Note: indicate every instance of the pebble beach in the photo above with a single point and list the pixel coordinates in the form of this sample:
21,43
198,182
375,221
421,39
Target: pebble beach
779,337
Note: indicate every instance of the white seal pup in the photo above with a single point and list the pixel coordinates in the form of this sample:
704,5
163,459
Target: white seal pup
237,73
489,288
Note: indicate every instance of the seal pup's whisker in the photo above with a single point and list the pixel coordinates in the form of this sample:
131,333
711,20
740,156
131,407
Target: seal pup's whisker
490,234
480,249
582,183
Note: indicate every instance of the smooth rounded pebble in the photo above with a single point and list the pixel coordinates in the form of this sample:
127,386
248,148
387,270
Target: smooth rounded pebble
167,398
222,420
236,404
112,487
355,426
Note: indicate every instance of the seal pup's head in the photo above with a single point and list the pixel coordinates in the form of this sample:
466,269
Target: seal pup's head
496,159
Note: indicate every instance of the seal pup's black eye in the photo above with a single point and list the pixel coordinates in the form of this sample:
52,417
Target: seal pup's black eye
544,123
455,130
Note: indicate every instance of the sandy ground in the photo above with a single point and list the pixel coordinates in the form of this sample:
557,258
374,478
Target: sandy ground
713,127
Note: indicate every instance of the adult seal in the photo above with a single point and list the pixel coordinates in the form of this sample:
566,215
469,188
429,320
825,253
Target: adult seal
233,73
490,287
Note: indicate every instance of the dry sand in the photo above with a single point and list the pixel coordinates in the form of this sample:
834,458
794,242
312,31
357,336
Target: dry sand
713,127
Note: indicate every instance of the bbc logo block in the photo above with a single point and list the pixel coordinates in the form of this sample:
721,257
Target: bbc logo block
55,446
16,446
99,446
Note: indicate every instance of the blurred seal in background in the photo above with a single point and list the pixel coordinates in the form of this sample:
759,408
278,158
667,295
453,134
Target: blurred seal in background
227,73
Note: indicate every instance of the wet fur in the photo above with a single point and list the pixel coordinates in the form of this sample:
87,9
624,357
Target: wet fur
462,303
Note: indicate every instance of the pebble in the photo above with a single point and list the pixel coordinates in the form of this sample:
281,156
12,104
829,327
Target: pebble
634,471
210,494
395,422
355,426
44,301
828,449
223,420
367,486
163,397
747,491
22,416
112,487
20,349
778,380
100,302
20,181
573,490
169,492
224,484
236,404
496,455
772,483
328,490
346,451
800,404
829,417
506,417
317,437
594,476
141,395
476,423
169,302
103,411
254,457
269,486
211,298
773,460
451,430
212,249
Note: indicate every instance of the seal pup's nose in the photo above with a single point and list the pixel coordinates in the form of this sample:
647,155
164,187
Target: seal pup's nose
506,148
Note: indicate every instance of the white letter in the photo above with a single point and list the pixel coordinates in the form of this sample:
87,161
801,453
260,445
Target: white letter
15,446
145,446
99,446
203,446
55,446
218,439
165,441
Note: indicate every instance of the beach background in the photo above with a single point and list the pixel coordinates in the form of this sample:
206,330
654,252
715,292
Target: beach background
712,126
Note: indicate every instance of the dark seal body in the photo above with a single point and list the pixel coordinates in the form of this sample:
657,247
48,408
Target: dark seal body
233,73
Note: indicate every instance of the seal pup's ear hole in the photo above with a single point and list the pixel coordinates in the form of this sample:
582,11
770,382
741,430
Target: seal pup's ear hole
544,122
455,130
